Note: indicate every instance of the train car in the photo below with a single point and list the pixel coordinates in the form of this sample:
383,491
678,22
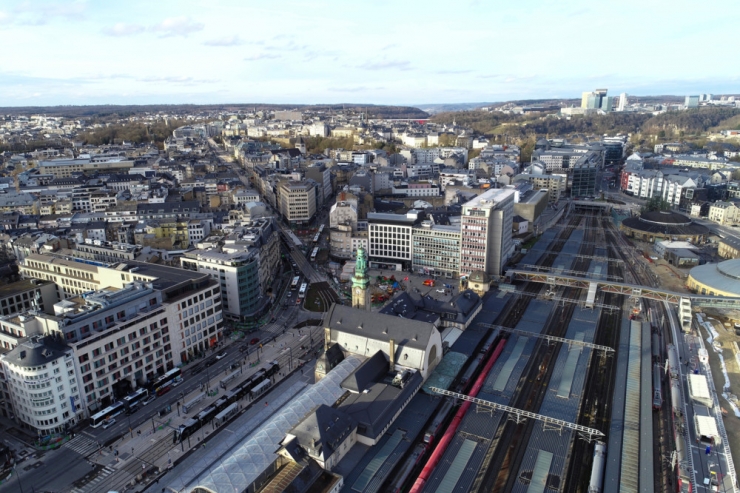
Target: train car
261,388
272,368
597,468
227,413
673,361
258,377
657,390
656,348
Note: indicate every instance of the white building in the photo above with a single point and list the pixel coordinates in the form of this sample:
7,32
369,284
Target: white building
487,222
43,386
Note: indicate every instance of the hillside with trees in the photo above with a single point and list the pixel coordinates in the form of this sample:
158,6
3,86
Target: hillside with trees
135,133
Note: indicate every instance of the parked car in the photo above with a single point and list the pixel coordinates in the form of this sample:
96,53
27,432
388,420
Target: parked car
131,410
254,341
149,399
108,423
221,355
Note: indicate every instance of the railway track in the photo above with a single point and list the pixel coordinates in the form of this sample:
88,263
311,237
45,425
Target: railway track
512,439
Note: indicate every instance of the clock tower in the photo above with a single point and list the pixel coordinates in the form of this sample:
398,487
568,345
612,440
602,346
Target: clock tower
360,282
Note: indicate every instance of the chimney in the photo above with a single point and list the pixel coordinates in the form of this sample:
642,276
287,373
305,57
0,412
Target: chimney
392,354
327,338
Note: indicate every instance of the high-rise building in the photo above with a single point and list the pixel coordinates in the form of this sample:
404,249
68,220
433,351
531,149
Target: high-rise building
622,102
593,99
486,242
691,101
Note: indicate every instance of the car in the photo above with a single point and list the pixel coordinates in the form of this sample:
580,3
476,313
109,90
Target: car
108,423
177,382
234,366
298,301
131,410
148,399
441,291
210,363
221,355
244,348
254,341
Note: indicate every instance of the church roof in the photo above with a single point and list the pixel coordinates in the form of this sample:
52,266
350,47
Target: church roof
408,333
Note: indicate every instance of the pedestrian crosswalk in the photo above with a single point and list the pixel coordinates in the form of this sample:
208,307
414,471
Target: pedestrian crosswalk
104,473
82,445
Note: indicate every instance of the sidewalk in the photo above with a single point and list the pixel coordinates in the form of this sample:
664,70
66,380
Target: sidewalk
155,437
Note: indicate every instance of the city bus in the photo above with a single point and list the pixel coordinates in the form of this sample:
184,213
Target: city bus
107,413
316,238
294,284
135,398
314,253
165,379
302,291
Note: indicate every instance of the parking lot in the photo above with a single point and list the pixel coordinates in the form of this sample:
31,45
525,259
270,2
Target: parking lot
442,290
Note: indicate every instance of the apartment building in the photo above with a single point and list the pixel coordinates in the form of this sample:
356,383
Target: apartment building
41,385
130,323
436,249
297,200
554,184
416,190
320,173
724,213
487,222
25,295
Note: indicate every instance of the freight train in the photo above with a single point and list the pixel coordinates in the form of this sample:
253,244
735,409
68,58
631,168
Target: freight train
254,386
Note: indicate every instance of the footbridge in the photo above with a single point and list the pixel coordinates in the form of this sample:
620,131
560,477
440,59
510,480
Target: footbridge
684,300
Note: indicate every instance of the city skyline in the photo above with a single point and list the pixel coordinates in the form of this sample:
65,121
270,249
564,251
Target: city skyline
86,52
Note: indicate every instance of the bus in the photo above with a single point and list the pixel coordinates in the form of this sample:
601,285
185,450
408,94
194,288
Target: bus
294,283
167,378
314,253
321,229
135,398
302,291
107,413
316,238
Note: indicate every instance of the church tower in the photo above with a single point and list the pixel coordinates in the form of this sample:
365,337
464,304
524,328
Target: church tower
361,282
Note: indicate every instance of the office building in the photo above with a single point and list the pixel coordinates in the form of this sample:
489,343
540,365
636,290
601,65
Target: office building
194,328
244,267
297,200
622,105
691,102
436,249
593,99
487,222
389,237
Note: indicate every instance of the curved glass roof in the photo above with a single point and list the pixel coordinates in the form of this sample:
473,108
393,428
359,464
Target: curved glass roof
238,468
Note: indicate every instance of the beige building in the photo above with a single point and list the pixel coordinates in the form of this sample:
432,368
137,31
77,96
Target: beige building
194,330
728,248
724,213
297,200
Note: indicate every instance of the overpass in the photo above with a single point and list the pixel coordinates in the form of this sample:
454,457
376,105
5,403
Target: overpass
683,300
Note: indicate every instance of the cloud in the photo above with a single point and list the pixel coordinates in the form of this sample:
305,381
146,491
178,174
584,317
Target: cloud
172,26
225,41
261,56
355,89
446,72
38,13
5,18
176,79
177,26
122,29
387,65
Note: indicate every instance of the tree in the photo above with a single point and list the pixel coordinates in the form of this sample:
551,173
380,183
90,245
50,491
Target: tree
656,204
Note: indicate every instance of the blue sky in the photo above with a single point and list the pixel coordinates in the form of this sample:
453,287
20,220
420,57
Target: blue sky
381,52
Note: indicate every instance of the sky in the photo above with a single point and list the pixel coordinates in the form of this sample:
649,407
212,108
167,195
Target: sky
403,52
